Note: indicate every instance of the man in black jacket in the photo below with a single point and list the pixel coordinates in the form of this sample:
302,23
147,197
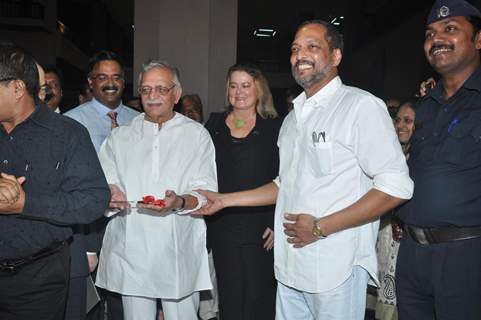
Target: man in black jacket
50,180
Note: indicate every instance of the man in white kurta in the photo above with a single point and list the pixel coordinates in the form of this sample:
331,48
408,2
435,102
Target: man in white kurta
154,252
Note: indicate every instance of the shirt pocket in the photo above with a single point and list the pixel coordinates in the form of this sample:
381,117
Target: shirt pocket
42,179
318,159
463,143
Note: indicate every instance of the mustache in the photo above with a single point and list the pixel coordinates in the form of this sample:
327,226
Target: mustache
440,46
303,62
153,102
105,88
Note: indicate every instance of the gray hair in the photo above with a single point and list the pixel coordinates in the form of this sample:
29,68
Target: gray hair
160,64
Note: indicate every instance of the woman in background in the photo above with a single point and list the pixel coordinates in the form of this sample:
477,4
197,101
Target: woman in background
390,231
245,139
191,106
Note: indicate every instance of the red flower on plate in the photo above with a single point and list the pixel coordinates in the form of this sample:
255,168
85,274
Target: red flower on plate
148,199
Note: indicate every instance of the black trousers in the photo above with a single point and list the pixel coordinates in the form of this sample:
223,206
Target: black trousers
77,299
37,290
246,283
439,281
115,309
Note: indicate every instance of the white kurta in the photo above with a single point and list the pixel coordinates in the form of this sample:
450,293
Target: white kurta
144,253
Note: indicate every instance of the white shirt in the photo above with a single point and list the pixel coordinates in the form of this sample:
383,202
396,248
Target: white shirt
93,115
334,147
144,253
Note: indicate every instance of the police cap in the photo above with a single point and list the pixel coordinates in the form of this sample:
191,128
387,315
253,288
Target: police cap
443,9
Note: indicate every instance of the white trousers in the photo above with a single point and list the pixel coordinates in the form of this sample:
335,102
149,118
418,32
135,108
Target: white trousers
346,302
141,308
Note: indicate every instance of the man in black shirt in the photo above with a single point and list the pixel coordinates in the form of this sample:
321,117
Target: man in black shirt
50,179
439,262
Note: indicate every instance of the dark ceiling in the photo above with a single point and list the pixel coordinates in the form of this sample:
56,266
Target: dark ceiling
107,24
94,25
364,21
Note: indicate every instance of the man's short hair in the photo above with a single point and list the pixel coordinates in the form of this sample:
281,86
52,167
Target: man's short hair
53,69
333,35
104,55
17,64
160,64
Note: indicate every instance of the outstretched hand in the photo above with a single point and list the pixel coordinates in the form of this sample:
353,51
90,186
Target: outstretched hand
169,203
214,203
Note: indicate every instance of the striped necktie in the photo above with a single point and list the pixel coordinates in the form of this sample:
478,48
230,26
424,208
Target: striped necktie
113,117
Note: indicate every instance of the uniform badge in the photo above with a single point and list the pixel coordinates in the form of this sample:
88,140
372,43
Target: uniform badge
443,12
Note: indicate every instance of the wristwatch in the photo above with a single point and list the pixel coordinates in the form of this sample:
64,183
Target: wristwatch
316,229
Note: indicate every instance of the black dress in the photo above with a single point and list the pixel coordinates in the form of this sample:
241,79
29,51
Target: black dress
245,270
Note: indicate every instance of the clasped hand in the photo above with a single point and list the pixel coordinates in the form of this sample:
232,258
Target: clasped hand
12,196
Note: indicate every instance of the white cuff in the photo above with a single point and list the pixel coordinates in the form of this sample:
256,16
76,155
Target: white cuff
111,212
277,181
397,185
201,201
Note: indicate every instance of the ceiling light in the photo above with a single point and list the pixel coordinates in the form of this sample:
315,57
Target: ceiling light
264,32
337,20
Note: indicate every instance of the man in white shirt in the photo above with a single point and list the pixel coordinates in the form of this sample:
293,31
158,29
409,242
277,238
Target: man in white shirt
341,167
157,251
106,81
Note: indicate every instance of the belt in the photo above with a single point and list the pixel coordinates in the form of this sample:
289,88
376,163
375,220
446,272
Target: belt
432,235
12,265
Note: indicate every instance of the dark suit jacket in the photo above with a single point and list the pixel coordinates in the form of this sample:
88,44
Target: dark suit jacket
85,238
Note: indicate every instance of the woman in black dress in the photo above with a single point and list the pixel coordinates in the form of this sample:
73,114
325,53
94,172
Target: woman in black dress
241,239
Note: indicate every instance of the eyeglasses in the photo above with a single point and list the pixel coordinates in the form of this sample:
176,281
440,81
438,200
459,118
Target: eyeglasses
147,90
8,79
105,77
